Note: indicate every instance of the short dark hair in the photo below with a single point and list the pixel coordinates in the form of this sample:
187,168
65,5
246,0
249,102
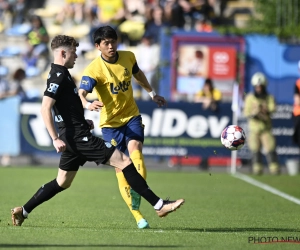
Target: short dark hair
210,84
63,41
104,32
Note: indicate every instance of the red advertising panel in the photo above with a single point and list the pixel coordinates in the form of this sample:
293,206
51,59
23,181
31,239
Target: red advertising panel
222,63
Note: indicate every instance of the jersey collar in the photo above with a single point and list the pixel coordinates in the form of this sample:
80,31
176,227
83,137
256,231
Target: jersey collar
117,57
53,65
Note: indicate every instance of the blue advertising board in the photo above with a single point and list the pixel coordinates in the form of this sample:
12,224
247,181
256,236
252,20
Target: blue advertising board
180,129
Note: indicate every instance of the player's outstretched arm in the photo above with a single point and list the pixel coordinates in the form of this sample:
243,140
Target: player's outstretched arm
143,82
94,106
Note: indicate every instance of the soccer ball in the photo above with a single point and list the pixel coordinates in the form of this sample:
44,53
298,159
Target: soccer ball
233,137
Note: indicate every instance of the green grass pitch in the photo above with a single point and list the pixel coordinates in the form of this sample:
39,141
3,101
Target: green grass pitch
221,212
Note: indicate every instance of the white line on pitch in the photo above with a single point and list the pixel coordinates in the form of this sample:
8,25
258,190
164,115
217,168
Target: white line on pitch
266,187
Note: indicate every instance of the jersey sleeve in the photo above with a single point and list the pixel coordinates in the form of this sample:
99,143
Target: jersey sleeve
135,67
54,86
217,95
87,83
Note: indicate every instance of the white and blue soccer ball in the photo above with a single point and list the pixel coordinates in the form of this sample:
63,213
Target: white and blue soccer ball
233,137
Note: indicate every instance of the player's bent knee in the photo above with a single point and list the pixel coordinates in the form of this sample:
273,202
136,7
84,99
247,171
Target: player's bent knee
65,185
119,160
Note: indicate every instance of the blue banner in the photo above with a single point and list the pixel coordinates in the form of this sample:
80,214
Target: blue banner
180,129
183,129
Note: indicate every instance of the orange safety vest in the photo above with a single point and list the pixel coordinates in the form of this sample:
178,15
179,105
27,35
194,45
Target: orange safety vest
296,110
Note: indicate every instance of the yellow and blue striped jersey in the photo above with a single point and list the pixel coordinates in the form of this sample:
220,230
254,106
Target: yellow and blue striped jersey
112,82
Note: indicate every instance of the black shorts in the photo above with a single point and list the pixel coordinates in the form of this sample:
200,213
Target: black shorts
82,146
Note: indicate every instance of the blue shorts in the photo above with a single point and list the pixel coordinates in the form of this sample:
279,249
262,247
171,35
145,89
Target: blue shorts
119,137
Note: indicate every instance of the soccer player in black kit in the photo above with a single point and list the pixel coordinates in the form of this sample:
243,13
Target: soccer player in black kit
75,140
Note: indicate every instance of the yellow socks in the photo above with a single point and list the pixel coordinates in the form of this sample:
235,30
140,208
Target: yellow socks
138,161
131,198
125,192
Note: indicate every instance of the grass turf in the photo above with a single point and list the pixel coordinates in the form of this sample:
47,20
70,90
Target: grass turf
221,212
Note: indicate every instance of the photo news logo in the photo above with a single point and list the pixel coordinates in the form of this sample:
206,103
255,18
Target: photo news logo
273,239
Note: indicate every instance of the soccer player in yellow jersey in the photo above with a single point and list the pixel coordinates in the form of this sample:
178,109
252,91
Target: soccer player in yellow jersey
120,120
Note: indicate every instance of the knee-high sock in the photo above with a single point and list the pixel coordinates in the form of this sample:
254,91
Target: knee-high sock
138,184
46,192
126,195
138,161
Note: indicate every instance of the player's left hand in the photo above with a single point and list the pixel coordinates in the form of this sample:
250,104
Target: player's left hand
159,100
96,106
91,123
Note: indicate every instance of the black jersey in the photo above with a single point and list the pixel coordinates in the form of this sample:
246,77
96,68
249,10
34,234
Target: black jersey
68,108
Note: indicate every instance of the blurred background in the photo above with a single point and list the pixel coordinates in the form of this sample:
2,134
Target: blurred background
179,44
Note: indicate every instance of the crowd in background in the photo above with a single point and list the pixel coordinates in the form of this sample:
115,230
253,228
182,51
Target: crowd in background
138,23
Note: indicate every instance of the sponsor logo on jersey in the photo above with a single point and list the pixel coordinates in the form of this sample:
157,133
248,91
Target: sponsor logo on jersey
58,74
85,139
53,88
122,86
113,142
108,145
126,72
58,118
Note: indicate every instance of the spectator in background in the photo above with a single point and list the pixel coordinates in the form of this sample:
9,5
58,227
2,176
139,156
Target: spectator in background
17,82
209,96
147,56
13,87
91,12
175,11
203,26
133,27
154,23
18,12
4,6
37,42
134,9
201,9
258,108
72,8
296,113
109,12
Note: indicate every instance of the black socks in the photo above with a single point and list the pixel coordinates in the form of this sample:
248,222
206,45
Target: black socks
45,193
138,184
134,179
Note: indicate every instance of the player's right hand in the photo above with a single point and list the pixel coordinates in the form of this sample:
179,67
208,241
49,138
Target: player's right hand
96,106
59,145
